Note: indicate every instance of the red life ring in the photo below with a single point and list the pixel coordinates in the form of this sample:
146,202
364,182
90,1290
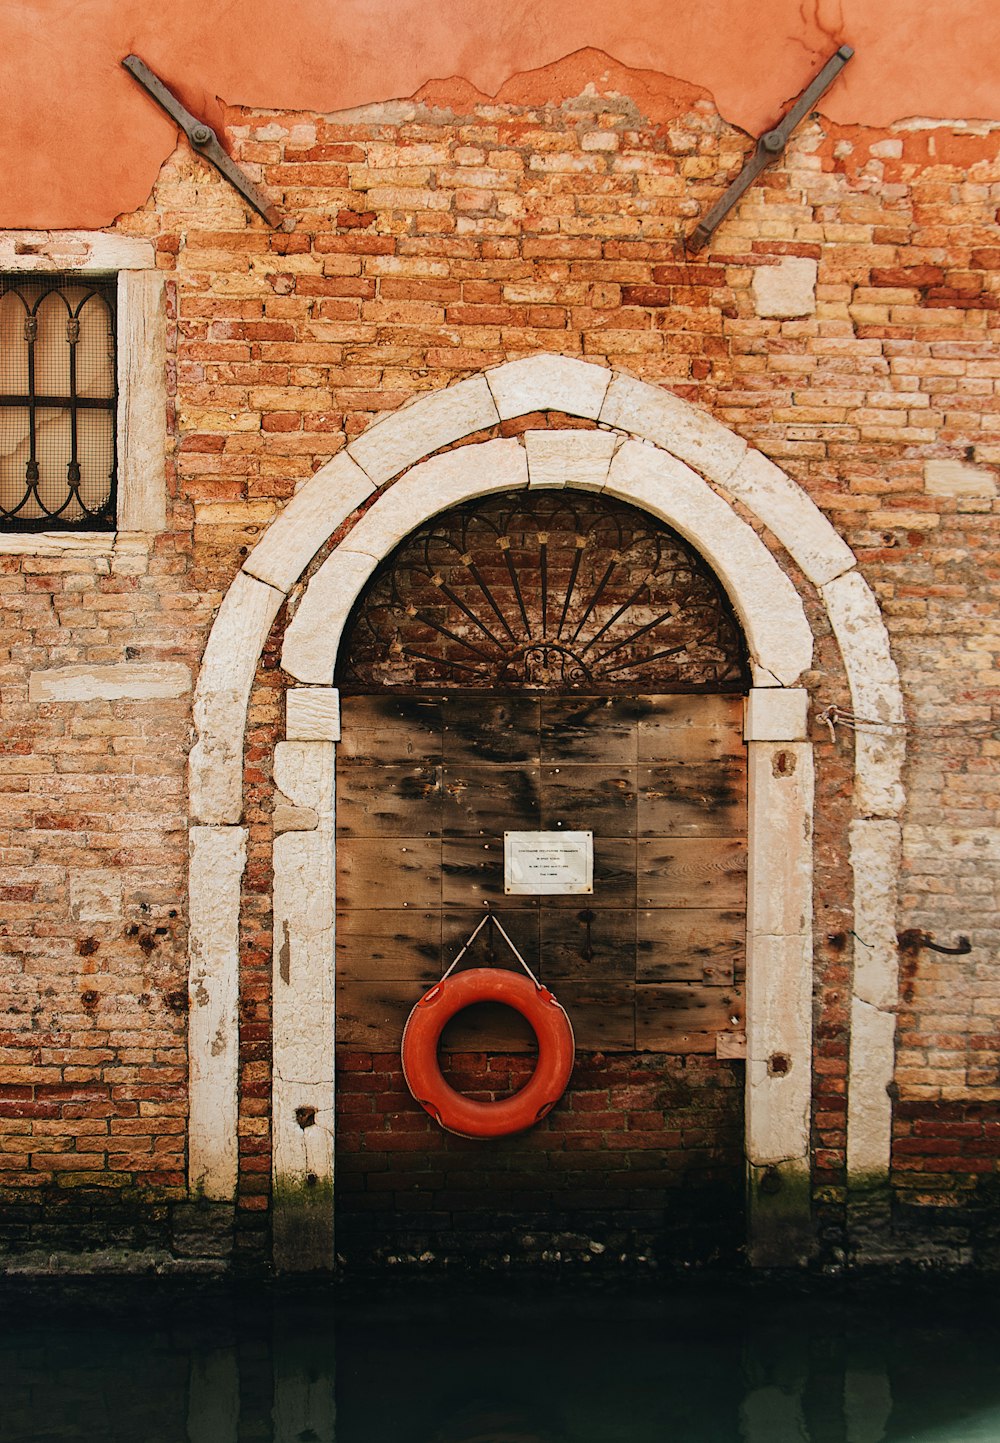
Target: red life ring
539,1095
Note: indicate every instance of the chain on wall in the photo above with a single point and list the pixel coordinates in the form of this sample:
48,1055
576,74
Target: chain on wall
564,591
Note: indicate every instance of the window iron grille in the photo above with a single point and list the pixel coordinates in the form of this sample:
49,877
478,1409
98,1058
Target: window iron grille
555,591
58,403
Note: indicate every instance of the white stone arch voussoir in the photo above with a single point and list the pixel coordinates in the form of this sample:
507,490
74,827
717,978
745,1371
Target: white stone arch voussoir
659,453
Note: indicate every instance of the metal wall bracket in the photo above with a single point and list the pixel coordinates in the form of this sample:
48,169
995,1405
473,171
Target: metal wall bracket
204,140
769,146
915,940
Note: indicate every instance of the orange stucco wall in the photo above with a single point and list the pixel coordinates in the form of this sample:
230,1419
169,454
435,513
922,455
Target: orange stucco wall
85,144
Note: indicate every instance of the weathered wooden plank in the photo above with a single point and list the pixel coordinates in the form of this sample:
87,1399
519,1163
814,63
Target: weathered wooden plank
692,710
692,872
685,1018
388,800
689,945
485,728
373,1014
489,948
602,1014
385,729
472,874
683,1044
405,871
693,744
589,729
587,943
693,798
391,944
488,1027
691,728
732,1046
594,797
486,801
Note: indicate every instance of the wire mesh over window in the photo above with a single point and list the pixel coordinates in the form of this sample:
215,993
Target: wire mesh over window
58,400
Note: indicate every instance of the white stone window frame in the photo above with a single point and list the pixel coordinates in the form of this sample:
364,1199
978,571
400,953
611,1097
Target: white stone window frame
141,422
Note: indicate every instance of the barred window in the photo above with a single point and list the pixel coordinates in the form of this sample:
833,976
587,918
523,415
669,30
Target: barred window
58,403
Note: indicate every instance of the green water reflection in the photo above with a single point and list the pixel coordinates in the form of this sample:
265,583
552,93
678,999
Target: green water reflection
698,1364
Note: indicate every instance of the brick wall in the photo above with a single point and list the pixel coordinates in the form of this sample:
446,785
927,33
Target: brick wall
93,1065
430,243
641,1160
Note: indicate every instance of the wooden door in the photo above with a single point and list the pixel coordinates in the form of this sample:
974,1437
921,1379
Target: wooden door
653,961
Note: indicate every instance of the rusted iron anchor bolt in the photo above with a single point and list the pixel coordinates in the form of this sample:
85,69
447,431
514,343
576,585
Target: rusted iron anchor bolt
914,940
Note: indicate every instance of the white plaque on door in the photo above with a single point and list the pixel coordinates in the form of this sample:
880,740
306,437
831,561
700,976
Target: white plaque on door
548,864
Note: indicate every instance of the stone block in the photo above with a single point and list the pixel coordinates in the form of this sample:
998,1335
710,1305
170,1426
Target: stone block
67,250
549,383
677,426
302,774
785,290
779,1048
765,600
95,895
792,516
217,859
303,1013
142,403
423,426
776,714
122,681
876,695
780,810
579,459
312,714
220,704
957,844
869,1109
308,520
958,478
287,818
57,543
876,848
309,651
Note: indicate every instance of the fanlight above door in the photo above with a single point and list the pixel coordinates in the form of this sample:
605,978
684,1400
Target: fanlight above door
556,591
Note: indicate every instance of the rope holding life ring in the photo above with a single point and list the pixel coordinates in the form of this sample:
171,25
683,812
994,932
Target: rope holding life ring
463,1115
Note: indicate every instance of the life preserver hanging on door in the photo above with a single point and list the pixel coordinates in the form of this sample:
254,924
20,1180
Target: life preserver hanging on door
463,1115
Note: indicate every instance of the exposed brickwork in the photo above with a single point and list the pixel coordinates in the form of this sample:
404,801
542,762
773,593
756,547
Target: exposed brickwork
643,1155
93,1066
945,1166
956,1142
264,720
429,245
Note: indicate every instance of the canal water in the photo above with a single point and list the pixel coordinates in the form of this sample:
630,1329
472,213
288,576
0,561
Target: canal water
690,1362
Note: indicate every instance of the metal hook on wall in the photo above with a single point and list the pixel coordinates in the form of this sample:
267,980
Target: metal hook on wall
914,940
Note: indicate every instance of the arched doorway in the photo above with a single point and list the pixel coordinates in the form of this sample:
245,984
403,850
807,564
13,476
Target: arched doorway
675,462
535,666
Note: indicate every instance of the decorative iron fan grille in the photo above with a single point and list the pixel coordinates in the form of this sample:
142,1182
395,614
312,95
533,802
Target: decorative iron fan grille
556,591
58,402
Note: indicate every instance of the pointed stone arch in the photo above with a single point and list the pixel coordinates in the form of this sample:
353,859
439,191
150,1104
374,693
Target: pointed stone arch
660,454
